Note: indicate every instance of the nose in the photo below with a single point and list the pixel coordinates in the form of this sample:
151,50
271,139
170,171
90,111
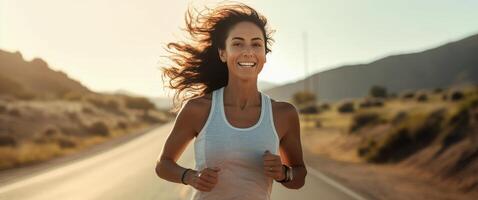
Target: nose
248,51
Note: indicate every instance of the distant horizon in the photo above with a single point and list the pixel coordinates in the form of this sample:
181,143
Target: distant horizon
121,90
104,48
348,64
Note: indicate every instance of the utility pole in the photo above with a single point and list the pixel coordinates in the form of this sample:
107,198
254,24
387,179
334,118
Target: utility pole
306,70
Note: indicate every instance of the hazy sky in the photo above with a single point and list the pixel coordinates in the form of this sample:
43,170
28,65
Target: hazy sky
110,45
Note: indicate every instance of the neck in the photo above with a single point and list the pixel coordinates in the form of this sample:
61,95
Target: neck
242,94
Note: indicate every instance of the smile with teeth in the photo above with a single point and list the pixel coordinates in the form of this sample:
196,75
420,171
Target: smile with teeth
247,64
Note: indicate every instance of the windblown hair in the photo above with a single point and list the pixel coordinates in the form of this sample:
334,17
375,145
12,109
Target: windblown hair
196,66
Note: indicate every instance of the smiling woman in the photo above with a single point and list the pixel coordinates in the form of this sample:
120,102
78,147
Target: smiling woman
244,139
197,67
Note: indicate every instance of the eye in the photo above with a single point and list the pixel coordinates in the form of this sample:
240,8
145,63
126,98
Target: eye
257,45
236,44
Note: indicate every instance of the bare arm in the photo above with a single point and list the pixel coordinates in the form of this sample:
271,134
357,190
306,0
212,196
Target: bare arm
178,139
291,149
181,135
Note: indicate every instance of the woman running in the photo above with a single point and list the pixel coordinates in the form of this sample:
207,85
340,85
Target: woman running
243,139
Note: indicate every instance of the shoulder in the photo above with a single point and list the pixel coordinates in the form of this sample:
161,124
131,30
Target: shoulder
195,111
284,108
197,105
286,117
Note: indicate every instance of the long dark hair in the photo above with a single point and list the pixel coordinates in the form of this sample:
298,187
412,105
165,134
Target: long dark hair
196,67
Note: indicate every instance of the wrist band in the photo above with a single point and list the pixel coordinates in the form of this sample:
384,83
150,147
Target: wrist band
182,177
288,174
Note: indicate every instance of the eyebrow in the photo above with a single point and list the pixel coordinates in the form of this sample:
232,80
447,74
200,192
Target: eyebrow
239,38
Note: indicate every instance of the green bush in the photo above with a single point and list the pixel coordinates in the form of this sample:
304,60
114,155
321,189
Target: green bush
408,95
346,107
64,142
99,128
364,150
457,95
318,124
87,110
458,126
367,103
422,98
14,112
304,98
139,103
437,90
3,108
8,140
112,105
378,91
393,149
324,107
122,125
363,119
405,140
72,96
310,109
399,117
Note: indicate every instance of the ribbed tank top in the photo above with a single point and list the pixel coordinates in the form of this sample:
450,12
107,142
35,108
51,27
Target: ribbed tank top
237,151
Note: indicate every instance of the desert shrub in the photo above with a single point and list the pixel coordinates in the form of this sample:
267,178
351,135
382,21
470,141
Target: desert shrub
363,150
50,131
399,117
457,95
99,128
14,112
422,98
122,125
26,96
409,95
459,123
151,119
378,91
8,140
112,105
139,103
65,142
109,105
324,107
97,101
309,109
318,124
363,119
303,98
437,90
346,107
72,115
3,108
393,149
392,95
444,97
405,140
430,129
367,103
72,96
87,110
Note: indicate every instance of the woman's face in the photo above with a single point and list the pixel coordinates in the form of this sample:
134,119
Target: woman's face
245,52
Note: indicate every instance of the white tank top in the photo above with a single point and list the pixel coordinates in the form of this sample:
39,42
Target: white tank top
237,151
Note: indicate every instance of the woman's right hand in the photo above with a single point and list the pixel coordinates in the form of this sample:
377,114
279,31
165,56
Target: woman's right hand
204,180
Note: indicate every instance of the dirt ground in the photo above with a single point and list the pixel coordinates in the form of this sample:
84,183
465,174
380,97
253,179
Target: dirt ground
386,181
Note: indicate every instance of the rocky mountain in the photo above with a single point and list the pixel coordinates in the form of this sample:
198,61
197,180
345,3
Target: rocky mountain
455,63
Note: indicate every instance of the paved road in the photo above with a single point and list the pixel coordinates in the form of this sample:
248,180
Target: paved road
127,172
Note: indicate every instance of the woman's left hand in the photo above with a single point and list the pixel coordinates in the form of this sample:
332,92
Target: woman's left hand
273,166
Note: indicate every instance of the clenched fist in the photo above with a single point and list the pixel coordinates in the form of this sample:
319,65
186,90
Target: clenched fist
273,166
204,180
